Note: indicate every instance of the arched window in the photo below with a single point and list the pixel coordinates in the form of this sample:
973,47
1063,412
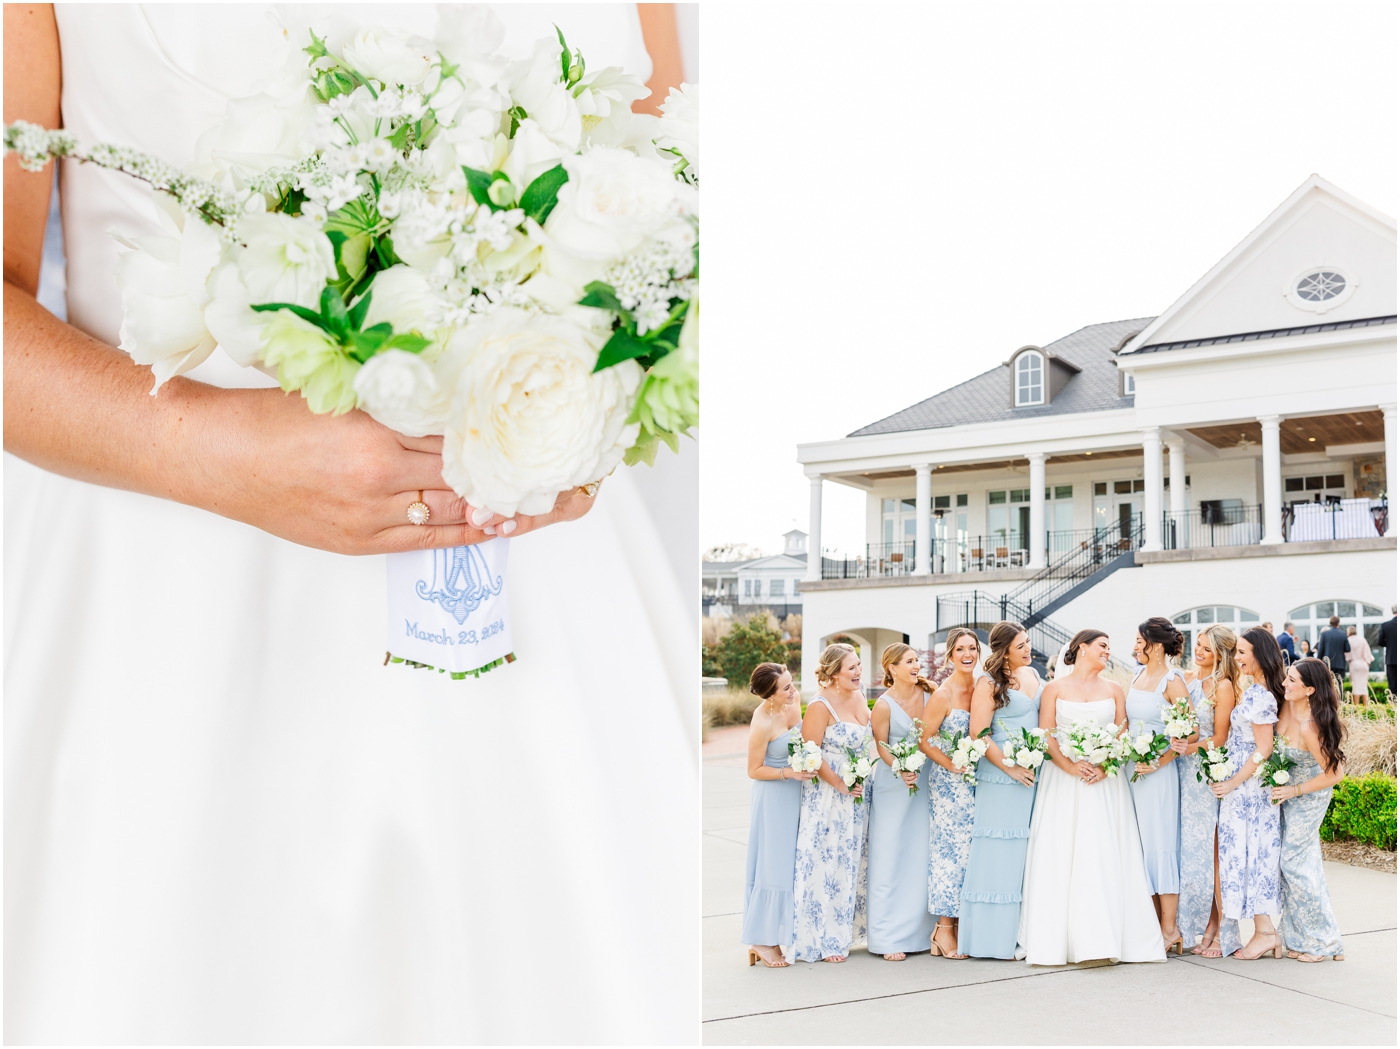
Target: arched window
1030,379
1194,620
1311,620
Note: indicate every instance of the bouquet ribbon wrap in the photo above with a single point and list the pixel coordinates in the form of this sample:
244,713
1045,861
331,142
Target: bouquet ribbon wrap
448,608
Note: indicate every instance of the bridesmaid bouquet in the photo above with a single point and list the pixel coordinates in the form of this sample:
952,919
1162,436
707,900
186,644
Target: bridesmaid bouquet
858,767
1215,764
906,755
1027,750
1180,719
1097,744
1276,770
496,251
965,751
803,755
1145,748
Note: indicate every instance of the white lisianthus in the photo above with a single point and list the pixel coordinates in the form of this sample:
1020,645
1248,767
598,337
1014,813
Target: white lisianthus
680,125
400,390
390,56
535,86
1281,777
604,101
286,259
164,282
530,418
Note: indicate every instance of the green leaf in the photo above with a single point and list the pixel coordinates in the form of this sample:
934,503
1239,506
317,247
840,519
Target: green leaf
601,296
385,250
399,139
300,311
564,56
317,48
479,183
353,255
542,194
623,346
517,114
365,344
358,311
410,341
333,310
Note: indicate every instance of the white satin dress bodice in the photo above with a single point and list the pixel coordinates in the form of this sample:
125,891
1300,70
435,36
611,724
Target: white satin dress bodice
225,820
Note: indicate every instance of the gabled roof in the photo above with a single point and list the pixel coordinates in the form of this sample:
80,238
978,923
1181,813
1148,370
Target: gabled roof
776,561
987,398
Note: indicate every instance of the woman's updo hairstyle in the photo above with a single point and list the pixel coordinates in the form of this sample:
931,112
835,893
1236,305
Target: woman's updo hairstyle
1159,631
1000,639
1084,637
764,680
829,662
892,655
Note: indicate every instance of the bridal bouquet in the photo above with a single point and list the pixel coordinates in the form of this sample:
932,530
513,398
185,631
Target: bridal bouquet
1097,744
858,766
965,751
1145,748
1180,719
1027,750
804,755
906,755
1276,771
1215,764
496,251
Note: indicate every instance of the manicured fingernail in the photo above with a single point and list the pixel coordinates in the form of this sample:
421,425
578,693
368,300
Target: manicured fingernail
489,530
481,516
507,528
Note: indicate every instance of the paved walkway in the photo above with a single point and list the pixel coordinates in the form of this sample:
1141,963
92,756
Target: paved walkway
868,1000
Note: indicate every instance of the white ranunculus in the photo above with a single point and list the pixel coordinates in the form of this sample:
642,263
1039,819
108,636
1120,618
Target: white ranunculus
402,296
530,418
604,101
286,259
390,56
536,87
1280,777
401,390
164,282
680,125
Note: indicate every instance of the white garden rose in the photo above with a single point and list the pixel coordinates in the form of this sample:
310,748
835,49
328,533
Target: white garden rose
1026,758
1280,777
1220,773
390,56
915,761
863,768
286,259
1142,742
680,125
401,390
530,418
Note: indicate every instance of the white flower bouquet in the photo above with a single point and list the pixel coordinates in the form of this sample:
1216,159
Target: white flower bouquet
1026,749
804,755
965,751
1097,744
1145,747
496,251
1215,764
1180,719
858,767
905,754
1277,769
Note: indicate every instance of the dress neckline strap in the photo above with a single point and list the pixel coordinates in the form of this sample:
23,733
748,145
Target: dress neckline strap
827,703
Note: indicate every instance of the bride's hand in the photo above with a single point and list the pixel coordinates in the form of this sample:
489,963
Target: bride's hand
1090,773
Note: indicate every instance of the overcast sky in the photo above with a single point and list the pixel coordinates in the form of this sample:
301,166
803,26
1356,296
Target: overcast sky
898,196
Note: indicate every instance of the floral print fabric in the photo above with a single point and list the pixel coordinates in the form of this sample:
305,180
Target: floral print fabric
1250,840
1199,808
951,804
1308,924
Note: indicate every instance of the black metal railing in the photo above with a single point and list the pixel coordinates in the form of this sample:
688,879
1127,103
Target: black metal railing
969,553
1091,550
1212,525
981,611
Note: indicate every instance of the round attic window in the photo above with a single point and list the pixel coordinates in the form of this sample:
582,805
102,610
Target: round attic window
1320,288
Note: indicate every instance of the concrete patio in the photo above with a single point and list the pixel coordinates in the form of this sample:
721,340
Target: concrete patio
1188,1000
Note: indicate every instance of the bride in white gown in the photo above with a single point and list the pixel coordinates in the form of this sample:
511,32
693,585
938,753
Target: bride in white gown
225,820
1086,894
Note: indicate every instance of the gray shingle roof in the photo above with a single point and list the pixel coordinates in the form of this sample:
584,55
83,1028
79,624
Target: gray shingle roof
987,397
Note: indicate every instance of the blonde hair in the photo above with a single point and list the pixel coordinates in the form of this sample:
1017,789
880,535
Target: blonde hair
892,655
829,662
1221,640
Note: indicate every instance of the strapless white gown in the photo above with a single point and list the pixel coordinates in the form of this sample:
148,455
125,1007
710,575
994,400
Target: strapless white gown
225,821
1086,894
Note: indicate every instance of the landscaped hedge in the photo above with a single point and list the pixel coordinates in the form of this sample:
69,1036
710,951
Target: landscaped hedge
1378,690
1364,809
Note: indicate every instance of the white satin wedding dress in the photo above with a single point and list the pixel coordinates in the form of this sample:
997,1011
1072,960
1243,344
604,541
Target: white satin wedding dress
225,820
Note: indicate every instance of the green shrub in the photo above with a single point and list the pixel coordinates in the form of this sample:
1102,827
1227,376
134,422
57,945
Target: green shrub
1363,809
747,645
1380,692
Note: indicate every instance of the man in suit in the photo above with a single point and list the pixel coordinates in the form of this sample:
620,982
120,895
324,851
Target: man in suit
1285,642
1387,642
1332,647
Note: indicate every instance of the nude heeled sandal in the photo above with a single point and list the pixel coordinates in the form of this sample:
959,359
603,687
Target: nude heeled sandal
754,956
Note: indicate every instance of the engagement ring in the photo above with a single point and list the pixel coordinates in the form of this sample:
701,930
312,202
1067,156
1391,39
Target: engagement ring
418,512
591,488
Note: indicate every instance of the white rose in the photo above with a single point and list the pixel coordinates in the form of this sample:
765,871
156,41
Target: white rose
1035,759
1220,773
286,259
680,125
862,768
390,56
1142,742
530,418
604,101
400,390
1098,756
1026,759
536,86
915,761
164,282
1280,777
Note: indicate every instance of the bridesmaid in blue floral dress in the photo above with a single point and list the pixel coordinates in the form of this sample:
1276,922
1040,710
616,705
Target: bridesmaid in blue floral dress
774,802
1310,718
1155,789
1250,841
1006,701
951,801
829,886
1213,690
898,847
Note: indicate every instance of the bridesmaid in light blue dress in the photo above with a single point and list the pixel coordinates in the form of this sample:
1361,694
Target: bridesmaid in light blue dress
1248,825
951,801
897,900
1007,700
774,802
829,885
1156,791
1213,691
1310,718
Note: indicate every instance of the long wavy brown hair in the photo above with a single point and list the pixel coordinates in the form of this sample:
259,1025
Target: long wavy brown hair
892,655
999,640
1323,704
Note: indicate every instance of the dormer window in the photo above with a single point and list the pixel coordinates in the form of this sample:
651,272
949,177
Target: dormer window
1129,384
1030,379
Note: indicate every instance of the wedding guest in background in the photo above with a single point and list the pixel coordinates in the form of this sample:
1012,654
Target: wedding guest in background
829,887
1213,685
1156,790
897,903
1359,666
1249,824
1304,648
774,801
1006,700
1285,643
1387,642
1312,725
1268,626
1332,649
951,801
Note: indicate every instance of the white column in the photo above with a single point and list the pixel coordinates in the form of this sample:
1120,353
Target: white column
921,521
1392,461
1273,481
1176,473
1036,540
1152,489
814,529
